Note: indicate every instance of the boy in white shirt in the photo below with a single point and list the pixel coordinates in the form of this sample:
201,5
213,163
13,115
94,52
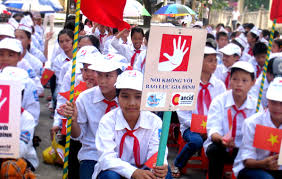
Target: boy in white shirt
88,110
254,163
260,52
225,118
209,88
127,137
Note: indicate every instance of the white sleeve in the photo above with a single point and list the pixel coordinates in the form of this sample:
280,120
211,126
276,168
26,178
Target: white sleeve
106,146
185,118
215,118
27,131
121,49
82,118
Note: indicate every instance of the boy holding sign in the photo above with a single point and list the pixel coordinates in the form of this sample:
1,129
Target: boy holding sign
261,161
225,118
126,136
209,88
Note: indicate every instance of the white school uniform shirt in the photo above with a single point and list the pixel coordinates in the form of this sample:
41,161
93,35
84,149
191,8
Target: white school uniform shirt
255,64
62,100
108,48
254,91
64,70
57,50
108,137
23,64
37,53
36,43
215,88
90,108
27,151
58,63
126,50
140,63
221,72
97,34
35,63
245,57
247,150
88,30
217,121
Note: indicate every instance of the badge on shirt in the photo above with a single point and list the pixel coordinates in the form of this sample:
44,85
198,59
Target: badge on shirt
160,133
25,136
31,73
35,95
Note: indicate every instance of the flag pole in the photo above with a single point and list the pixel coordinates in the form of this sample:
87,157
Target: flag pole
164,136
266,65
67,146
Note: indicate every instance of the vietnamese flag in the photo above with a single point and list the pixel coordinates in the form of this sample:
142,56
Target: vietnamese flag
276,11
47,74
77,90
267,138
106,12
199,123
152,160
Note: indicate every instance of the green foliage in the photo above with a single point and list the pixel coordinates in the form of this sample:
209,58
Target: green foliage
254,5
219,4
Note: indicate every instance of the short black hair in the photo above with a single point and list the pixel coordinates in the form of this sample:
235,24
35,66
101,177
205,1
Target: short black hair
265,33
254,36
270,66
239,69
276,34
81,26
115,30
278,42
220,34
220,24
70,25
259,48
210,36
18,14
86,21
94,40
28,13
137,30
233,35
248,25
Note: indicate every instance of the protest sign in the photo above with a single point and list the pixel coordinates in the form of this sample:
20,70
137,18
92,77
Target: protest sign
173,68
10,111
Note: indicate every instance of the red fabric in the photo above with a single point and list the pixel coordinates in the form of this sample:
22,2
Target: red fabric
136,146
22,110
64,129
152,160
46,75
203,98
108,13
82,86
227,80
276,12
263,136
199,123
143,63
250,52
67,59
110,105
101,38
259,70
133,57
234,121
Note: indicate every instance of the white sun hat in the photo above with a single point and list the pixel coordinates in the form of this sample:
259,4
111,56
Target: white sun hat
11,44
246,66
130,79
231,49
15,74
275,89
7,30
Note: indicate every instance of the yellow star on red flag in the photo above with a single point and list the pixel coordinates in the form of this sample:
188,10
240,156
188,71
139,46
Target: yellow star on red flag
273,139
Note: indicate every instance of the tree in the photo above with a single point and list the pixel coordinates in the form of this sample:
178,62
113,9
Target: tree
254,5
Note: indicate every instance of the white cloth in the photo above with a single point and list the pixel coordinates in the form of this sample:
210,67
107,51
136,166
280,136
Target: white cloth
108,48
254,91
215,88
235,15
36,43
255,64
218,116
35,63
27,150
206,12
37,53
58,63
57,50
108,137
88,30
221,72
140,61
97,34
90,108
126,50
247,150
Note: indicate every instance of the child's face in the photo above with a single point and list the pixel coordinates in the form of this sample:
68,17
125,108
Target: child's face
209,63
137,40
106,81
229,60
250,38
241,82
275,48
89,76
21,35
260,58
65,43
222,41
275,109
8,58
129,101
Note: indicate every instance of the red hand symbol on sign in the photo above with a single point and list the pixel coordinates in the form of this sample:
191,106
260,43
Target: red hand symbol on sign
3,100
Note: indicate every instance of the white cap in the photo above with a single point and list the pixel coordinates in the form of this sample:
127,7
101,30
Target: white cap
13,23
209,50
274,90
87,54
7,30
209,29
11,44
240,29
222,29
277,67
241,39
26,24
104,65
118,58
130,79
246,66
14,74
255,31
198,23
231,49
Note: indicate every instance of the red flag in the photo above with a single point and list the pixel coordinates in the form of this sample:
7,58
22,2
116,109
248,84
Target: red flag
64,129
149,163
46,75
267,138
108,13
276,11
77,90
199,123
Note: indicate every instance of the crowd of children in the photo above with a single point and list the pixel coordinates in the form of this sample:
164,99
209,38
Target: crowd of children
110,136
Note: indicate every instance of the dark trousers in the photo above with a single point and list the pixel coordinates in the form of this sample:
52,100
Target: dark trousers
73,161
218,156
53,89
252,173
234,25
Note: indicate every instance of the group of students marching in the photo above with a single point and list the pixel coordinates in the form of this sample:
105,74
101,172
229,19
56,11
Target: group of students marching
110,136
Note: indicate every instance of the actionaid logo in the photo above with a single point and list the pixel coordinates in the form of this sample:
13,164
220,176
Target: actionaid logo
182,99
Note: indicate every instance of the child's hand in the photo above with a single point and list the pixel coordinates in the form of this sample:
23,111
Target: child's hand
53,131
143,174
228,143
70,110
271,162
160,171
